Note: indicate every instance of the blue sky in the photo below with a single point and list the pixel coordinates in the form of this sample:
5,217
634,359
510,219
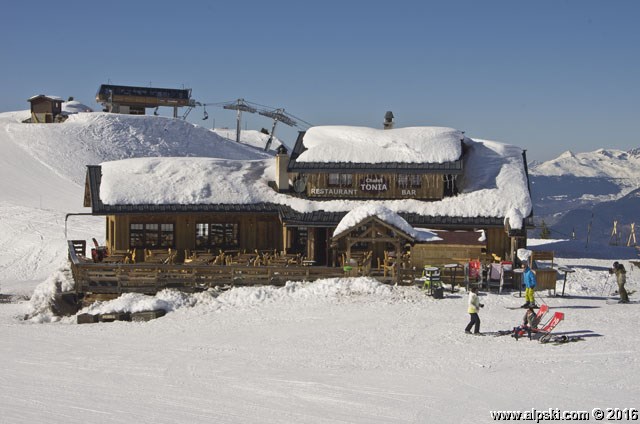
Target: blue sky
548,76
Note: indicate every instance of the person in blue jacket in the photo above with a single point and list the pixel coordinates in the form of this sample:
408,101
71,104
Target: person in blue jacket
529,279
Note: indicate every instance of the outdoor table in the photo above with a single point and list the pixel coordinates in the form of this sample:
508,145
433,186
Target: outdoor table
429,273
453,269
519,278
308,262
566,270
114,259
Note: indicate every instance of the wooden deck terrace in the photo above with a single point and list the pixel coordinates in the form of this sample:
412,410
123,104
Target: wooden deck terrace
149,278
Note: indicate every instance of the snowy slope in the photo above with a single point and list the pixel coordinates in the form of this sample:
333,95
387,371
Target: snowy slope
92,138
42,175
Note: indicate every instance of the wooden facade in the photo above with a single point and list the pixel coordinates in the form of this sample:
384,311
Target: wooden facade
253,231
45,109
375,186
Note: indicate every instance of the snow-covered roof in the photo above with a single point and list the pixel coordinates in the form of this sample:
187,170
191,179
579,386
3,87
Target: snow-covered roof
44,96
347,144
494,185
361,213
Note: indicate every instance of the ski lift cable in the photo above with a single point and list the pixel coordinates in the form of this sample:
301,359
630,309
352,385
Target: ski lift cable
284,112
216,103
300,120
290,117
266,109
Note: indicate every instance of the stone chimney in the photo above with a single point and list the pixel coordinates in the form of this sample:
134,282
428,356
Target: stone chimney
282,161
388,120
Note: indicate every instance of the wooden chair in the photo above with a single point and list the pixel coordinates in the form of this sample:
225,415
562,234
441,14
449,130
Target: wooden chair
364,267
118,256
220,259
159,256
241,259
389,264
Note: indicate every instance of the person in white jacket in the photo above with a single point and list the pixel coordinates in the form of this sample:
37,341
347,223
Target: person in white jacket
474,307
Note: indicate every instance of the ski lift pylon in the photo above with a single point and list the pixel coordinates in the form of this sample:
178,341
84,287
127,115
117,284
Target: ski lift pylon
277,115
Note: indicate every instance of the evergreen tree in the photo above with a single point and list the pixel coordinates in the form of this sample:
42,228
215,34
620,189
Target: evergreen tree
545,232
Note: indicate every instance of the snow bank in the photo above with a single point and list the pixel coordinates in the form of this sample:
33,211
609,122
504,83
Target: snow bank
41,306
241,297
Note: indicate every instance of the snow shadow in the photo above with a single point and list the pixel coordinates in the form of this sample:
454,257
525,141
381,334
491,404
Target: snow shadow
578,333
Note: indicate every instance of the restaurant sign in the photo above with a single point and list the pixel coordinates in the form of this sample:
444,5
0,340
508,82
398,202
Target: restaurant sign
374,184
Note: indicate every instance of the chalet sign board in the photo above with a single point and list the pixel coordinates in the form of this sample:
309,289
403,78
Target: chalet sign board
370,184
374,184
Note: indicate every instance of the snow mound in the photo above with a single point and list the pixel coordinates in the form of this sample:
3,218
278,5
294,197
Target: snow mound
41,306
240,297
93,138
74,106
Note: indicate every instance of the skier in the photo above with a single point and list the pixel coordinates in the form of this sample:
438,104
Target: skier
529,322
530,282
621,277
474,307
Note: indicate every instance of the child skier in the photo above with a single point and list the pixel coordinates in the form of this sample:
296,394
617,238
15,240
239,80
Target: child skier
529,322
530,282
474,307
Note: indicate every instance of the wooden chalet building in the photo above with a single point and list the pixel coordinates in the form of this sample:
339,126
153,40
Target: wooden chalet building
45,109
475,194
134,100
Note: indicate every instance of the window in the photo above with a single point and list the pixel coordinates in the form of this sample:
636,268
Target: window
202,235
409,180
136,235
340,180
298,240
217,235
151,236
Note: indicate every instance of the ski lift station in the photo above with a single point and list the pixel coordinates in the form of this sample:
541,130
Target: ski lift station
135,100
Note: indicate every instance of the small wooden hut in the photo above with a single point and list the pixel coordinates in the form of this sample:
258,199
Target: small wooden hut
45,109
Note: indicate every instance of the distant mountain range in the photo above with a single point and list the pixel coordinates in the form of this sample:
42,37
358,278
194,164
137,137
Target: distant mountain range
581,195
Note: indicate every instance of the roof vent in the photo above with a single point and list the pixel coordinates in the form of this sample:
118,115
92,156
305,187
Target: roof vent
388,120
